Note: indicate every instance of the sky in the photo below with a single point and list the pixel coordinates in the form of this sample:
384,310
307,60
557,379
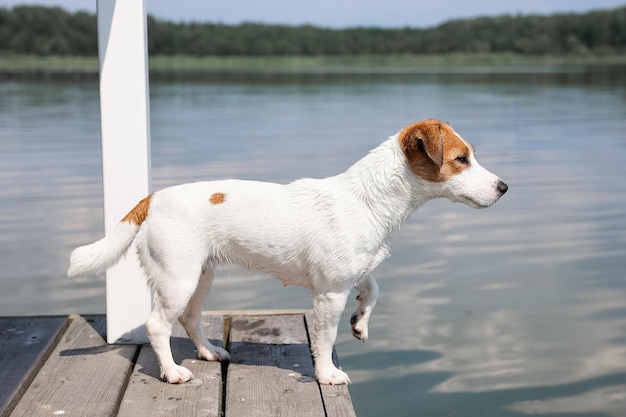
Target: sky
338,13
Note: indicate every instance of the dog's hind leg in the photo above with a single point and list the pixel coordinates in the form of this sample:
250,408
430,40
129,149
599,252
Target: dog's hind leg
192,321
171,296
368,294
327,309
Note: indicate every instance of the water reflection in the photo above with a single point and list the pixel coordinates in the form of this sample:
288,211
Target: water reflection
609,400
476,360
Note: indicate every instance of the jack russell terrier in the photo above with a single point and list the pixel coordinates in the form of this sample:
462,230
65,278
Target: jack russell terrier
327,235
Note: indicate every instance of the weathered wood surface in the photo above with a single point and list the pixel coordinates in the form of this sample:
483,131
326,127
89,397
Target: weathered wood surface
25,343
271,368
83,375
59,366
200,397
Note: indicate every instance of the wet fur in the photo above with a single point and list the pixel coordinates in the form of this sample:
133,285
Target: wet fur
327,235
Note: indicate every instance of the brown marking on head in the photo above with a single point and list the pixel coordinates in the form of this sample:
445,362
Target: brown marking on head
139,213
434,151
217,198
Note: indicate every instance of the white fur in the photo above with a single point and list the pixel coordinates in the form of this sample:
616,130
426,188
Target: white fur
100,255
327,235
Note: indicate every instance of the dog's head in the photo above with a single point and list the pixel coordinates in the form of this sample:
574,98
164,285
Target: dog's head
439,155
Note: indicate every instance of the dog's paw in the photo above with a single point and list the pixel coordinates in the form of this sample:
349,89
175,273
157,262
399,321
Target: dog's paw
213,354
332,376
177,375
359,326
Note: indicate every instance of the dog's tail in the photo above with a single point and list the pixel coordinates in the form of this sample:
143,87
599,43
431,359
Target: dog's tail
98,256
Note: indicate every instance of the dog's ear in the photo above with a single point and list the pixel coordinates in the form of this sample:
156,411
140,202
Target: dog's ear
424,138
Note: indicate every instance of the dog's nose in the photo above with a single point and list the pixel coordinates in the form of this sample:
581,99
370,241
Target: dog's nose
502,187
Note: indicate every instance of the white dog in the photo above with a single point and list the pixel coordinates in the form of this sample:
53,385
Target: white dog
327,235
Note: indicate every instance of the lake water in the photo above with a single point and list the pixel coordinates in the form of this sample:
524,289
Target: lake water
516,310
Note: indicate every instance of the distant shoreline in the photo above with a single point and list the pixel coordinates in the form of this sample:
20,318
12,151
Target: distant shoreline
28,66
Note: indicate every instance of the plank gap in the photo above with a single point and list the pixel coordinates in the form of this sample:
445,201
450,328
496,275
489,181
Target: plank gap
336,399
128,377
228,319
308,327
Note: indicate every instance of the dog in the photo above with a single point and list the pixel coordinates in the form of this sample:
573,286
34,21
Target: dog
327,235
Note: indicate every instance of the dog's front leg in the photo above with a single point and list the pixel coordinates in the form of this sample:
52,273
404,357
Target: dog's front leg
368,294
327,309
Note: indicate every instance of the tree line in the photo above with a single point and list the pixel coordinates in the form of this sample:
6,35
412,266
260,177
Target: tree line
53,31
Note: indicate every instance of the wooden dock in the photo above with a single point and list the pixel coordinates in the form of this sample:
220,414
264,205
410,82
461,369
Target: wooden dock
62,366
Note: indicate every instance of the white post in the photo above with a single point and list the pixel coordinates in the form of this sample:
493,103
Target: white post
125,120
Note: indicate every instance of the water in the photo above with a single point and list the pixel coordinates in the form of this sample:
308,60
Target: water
516,310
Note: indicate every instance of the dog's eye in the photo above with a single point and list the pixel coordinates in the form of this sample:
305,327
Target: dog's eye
462,159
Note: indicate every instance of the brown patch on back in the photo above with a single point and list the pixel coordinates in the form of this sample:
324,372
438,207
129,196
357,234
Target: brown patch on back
217,198
431,147
139,213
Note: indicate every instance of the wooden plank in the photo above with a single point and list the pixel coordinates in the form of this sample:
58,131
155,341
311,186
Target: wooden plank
337,400
148,395
125,125
271,371
25,342
83,375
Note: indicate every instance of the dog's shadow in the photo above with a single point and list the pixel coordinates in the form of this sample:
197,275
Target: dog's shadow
293,358
184,353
